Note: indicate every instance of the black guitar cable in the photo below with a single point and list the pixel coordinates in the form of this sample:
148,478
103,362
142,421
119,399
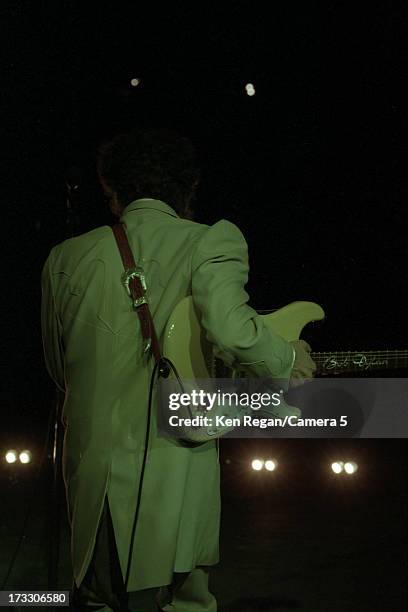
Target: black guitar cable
161,369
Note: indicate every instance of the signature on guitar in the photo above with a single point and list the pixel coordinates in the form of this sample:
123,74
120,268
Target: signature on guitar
360,360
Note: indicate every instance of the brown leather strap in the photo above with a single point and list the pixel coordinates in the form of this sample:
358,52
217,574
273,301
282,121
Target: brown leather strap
137,291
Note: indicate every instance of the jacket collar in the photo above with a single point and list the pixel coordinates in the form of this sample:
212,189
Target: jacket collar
148,204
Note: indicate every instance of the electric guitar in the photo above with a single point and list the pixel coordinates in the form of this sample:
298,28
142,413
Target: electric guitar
186,346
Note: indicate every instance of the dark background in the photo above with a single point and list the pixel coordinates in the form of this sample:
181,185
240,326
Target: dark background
312,168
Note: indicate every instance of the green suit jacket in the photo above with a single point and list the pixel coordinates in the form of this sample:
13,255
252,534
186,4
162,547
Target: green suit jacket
93,352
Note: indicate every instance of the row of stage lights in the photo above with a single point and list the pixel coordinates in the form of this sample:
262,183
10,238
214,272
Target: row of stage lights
338,467
270,465
13,456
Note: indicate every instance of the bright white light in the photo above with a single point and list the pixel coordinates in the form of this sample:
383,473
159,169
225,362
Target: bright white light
337,467
271,465
257,464
350,467
250,89
25,456
135,82
11,456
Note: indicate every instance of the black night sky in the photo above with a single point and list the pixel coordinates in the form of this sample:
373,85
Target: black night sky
313,168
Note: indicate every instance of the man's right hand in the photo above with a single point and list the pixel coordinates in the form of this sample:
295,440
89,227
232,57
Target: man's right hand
304,367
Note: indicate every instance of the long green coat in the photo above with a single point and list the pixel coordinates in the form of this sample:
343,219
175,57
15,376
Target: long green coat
93,352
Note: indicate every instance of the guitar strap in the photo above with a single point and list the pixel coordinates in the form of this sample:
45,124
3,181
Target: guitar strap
135,284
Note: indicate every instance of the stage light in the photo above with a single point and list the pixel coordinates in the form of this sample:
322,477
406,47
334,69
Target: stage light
250,89
257,464
350,467
135,82
271,465
11,456
337,467
25,456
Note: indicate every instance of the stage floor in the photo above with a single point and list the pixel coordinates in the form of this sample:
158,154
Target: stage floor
282,549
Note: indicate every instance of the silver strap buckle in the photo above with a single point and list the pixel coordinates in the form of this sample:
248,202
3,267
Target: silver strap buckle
136,272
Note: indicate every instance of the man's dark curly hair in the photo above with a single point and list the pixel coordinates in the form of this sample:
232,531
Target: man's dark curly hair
150,163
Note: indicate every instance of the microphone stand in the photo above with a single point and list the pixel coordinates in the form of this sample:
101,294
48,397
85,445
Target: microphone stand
72,183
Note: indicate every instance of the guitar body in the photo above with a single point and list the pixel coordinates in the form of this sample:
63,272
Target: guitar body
186,346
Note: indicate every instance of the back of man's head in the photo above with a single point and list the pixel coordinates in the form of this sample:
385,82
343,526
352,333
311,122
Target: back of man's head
150,163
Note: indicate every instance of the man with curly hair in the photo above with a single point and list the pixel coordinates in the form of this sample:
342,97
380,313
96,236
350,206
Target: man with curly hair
93,351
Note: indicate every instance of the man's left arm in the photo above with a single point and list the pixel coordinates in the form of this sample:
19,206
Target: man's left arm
51,328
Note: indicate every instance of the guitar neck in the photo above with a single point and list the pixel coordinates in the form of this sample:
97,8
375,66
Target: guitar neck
340,362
